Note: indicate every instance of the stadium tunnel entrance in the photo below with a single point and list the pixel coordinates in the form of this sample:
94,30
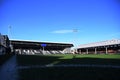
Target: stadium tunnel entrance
31,47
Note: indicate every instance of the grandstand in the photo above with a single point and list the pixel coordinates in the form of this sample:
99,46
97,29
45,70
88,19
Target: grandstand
34,47
107,47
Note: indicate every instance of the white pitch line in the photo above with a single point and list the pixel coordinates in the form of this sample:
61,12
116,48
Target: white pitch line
70,65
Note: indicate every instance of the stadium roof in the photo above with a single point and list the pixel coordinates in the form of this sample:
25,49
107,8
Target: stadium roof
102,43
39,41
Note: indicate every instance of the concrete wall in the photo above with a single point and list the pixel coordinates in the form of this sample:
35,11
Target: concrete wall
4,44
67,50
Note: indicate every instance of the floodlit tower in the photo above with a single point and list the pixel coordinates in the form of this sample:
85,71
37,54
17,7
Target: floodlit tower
75,31
9,35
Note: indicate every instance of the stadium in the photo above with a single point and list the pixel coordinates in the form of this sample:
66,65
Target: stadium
59,39
35,47
33,60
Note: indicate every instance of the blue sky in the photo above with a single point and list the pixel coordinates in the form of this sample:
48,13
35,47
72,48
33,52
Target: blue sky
71,21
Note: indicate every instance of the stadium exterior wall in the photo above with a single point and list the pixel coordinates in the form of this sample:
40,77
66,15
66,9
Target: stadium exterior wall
4,44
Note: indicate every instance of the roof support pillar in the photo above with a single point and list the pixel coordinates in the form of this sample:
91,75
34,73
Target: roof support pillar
95,50
80,51
106,50
87,51
43,51
20,51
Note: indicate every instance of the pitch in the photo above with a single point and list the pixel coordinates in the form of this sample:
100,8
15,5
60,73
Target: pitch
64,67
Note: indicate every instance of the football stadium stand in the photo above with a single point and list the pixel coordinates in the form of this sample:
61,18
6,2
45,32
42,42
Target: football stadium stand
107,47
33,47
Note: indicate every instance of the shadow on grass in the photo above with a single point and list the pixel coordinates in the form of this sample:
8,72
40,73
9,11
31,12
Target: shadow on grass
28,60
70,73
67,73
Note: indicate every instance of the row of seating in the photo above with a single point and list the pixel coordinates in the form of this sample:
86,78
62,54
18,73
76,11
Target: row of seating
32,51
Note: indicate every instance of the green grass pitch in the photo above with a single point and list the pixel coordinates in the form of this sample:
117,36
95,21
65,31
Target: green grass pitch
69,73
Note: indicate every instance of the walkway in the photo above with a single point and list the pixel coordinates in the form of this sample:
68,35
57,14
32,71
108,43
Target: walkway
8,71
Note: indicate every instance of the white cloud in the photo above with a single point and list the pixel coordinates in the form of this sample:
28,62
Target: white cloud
115,34
64,31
